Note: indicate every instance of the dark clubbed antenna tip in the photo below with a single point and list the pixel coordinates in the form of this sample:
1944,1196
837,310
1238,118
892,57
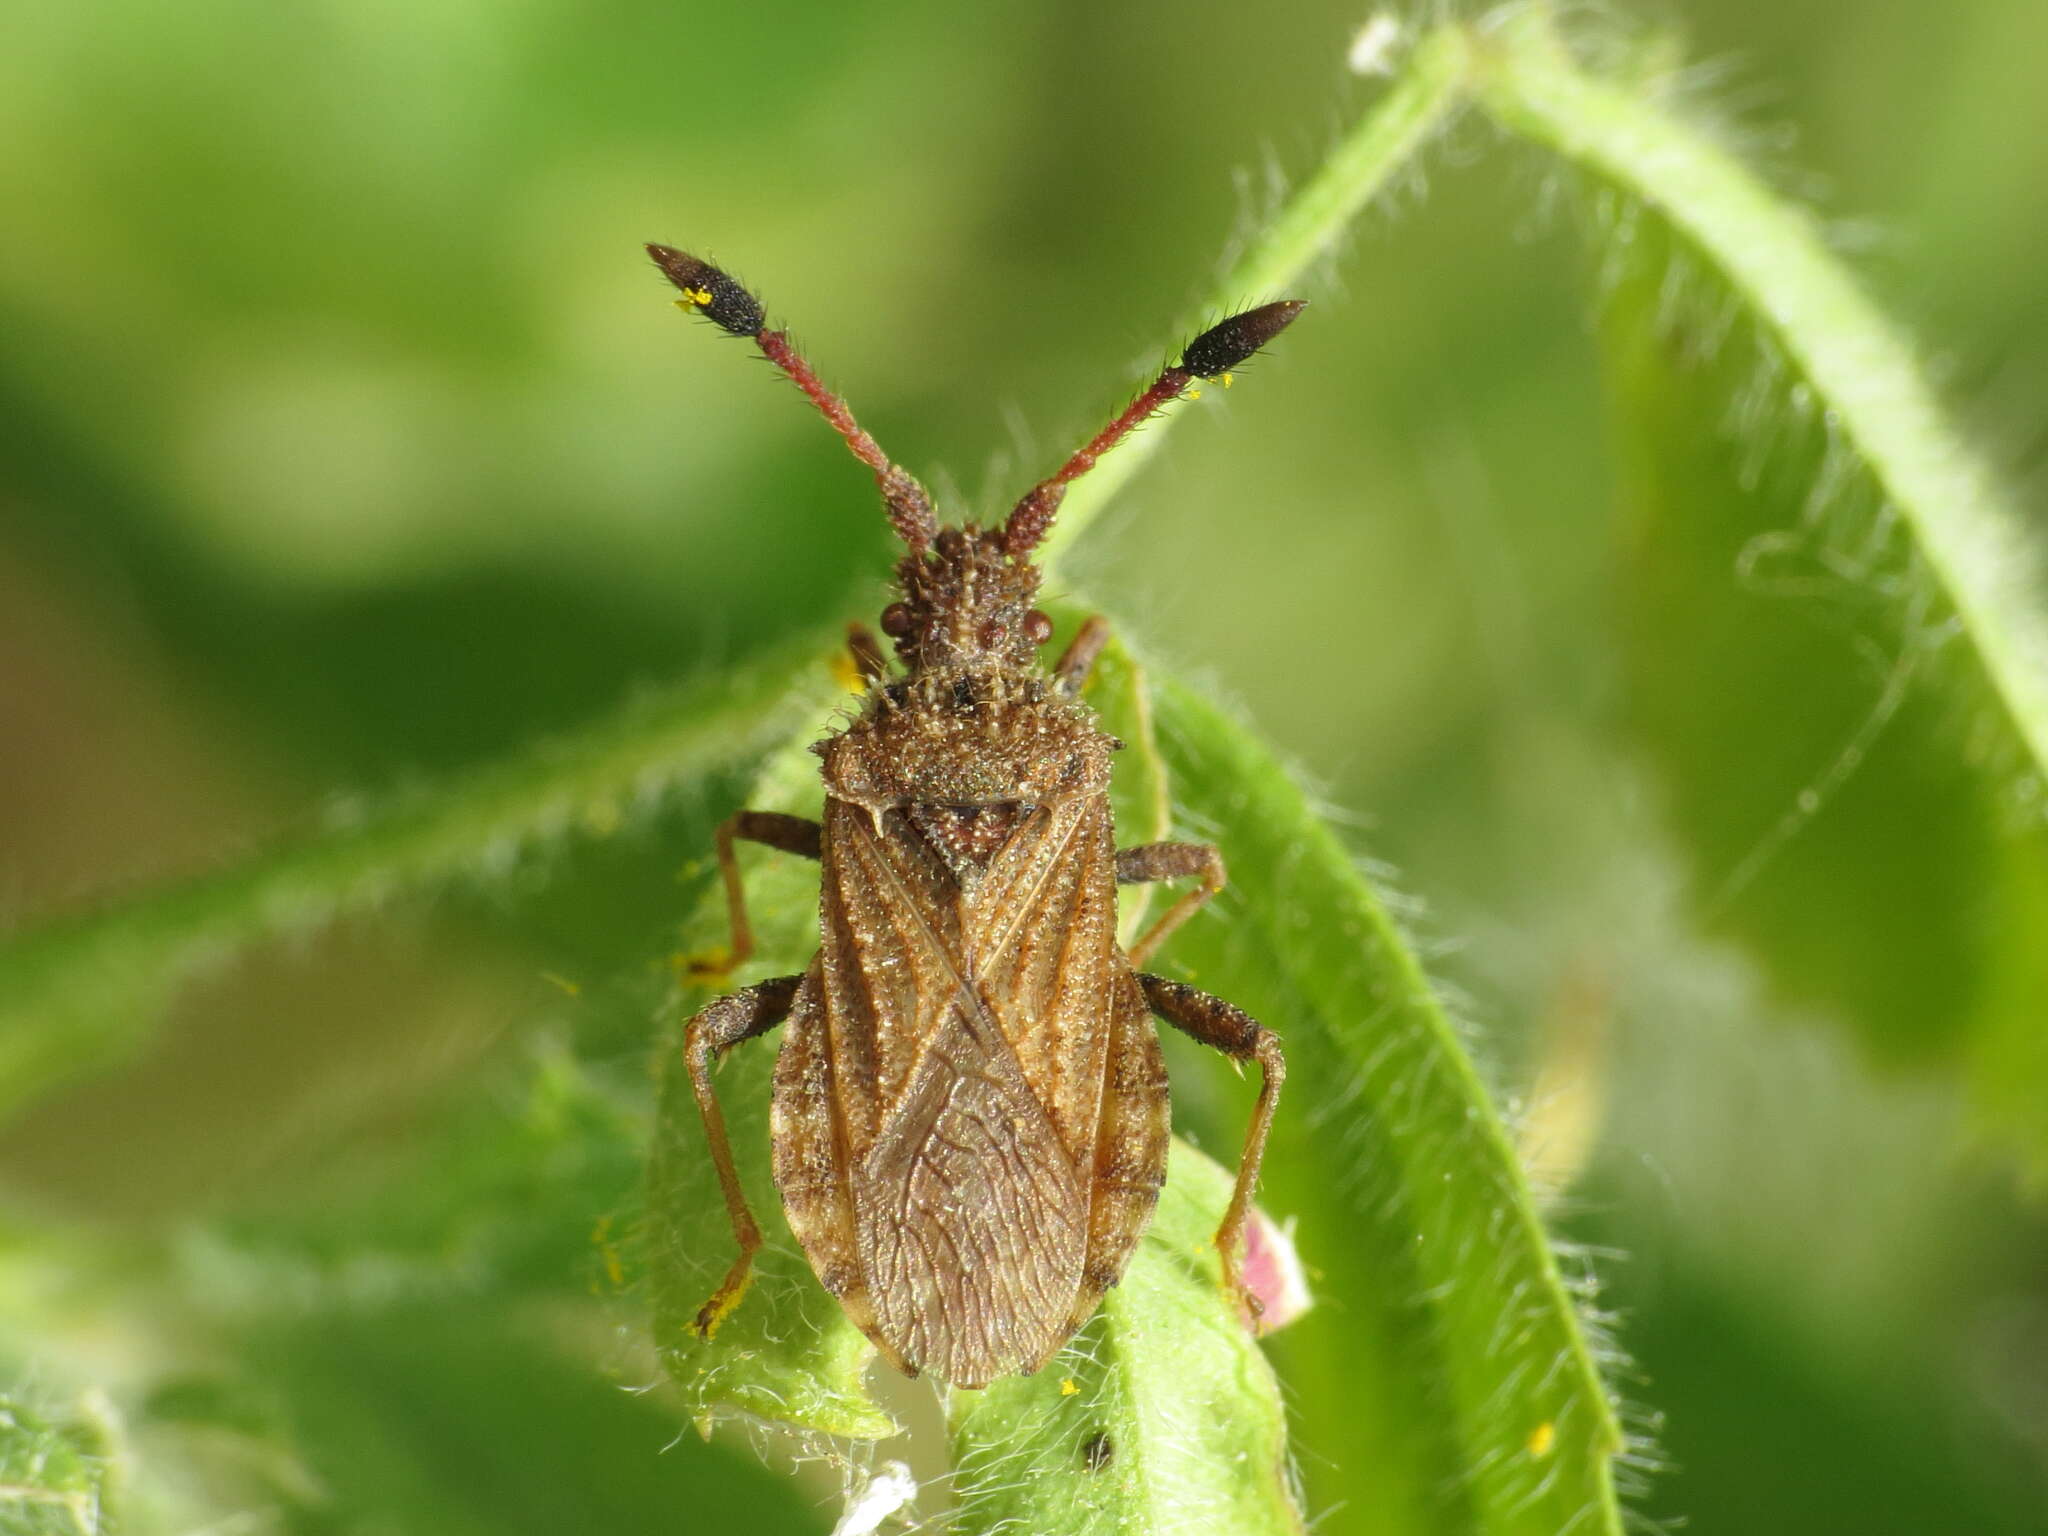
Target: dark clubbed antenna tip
715,296
1223,347
710,292
1216,351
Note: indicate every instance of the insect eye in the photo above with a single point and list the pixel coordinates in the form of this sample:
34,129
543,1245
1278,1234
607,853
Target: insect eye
1037,627
896,620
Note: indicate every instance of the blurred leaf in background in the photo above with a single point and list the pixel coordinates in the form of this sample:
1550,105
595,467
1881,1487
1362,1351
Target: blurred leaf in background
347,447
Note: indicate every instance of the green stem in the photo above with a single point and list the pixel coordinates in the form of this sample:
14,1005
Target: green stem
1860,368
1428,92
81,990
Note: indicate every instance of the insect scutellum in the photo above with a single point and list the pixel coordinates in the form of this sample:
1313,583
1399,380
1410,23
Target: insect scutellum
970,1117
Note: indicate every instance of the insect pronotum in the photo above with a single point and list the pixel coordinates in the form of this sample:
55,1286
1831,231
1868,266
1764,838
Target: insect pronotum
970,1107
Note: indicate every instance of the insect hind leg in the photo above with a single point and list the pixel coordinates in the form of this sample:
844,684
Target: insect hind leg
716,1029
1241,1037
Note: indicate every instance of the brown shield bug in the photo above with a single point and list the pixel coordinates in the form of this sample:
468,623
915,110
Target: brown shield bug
970,1108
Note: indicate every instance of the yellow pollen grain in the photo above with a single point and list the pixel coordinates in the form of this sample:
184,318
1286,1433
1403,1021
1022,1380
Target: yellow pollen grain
1543,1438
1069,1387
705,965
1224,380
694,298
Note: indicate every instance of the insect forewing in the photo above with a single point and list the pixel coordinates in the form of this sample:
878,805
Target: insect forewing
965,1015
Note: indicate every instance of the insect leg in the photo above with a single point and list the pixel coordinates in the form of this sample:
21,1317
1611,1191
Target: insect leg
772,829
716,1029
1170,861
1078,659
1241,1037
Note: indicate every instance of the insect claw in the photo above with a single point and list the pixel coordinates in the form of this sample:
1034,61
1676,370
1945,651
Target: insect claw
1251,1309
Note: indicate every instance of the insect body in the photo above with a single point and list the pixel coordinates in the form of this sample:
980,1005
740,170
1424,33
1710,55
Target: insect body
970,1108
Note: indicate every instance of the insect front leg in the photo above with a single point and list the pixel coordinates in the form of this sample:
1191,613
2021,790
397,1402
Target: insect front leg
1241,1037
791,834
1078,659
1170,861
717,1028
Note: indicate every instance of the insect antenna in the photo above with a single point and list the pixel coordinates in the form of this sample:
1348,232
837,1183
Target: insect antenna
1210,355
719,299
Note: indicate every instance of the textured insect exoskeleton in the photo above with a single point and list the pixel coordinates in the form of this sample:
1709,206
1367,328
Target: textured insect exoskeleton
970,1116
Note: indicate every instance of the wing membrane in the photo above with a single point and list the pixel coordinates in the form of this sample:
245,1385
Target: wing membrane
972,1219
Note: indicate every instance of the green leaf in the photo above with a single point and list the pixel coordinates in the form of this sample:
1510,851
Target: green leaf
520,1182
1447,1382
438,1418
1835,627
81,993
55,1474
1834,338
1160,1417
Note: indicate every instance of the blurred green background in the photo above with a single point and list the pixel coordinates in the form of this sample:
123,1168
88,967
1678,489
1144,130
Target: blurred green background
346,439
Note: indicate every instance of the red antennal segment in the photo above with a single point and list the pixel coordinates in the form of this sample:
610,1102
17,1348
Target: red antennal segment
1216,351
721,300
